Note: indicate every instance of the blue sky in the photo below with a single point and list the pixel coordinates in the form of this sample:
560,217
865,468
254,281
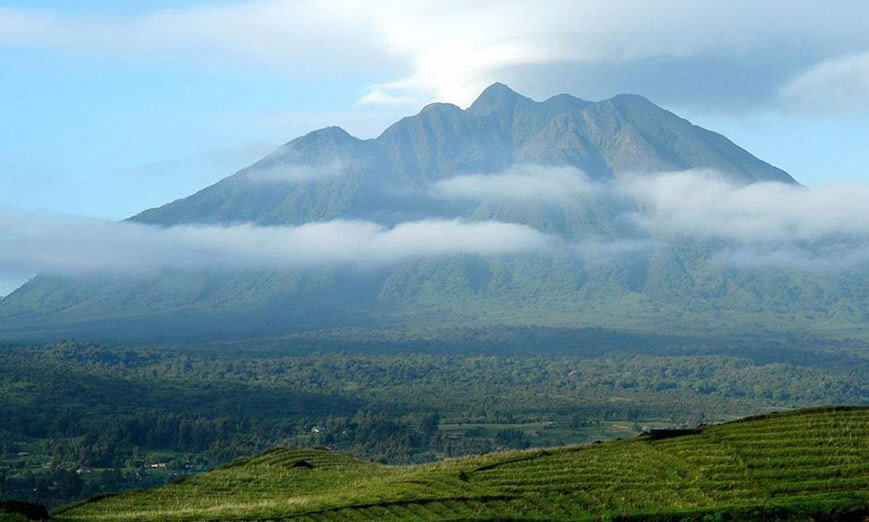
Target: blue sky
105,137
113,107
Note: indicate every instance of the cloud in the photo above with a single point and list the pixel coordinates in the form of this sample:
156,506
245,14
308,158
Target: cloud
275,32
704,204
693,203
457,48
840,84
449,50
31,243
379,97
750,225
297,173
519,183
759,225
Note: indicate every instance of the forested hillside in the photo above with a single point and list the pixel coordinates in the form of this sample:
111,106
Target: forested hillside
80,419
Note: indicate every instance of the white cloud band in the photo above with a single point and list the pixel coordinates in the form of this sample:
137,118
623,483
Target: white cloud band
31,243
764,224
523,182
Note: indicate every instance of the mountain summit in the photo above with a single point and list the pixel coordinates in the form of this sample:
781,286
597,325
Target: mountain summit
497,98
392,179
626,134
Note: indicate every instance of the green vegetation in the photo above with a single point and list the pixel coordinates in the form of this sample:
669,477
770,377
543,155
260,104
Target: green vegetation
787,466
672,284
79,419
409,364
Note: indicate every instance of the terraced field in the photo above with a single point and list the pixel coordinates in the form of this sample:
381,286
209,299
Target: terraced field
803,465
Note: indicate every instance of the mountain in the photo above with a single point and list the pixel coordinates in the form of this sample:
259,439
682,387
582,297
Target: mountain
372,178
329,174
800,465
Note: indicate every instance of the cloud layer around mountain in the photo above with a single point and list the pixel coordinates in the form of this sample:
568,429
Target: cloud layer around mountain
523,182
758,225
297,173
761,224
702,204
45,243
692,203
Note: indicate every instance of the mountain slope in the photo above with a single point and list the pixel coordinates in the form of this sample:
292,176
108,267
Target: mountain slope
328,174
787,466
371,178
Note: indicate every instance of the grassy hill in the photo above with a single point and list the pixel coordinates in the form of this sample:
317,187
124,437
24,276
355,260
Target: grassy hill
799,465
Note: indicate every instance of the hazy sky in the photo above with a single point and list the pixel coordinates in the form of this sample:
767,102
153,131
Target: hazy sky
112,107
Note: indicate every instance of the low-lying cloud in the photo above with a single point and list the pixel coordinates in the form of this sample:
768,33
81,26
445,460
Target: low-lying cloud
519,183
704,204
33,243
776,225
757,225
838,84
297,173
760,224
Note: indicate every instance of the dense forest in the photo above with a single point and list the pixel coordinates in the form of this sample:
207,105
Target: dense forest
79,419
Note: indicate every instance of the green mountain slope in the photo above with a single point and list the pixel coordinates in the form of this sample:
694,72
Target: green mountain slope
374,179
329,174
786,466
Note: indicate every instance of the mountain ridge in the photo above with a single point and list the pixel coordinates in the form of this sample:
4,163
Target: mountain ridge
499,129
330,175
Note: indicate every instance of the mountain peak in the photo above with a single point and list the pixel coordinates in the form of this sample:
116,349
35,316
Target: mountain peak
498,88
332,132
632,100
628,96
496,97
326,135
440,107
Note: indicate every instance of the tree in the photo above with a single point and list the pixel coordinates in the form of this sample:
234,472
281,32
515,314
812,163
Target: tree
430,422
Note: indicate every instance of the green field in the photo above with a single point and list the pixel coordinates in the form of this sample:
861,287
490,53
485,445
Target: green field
800,465
79,419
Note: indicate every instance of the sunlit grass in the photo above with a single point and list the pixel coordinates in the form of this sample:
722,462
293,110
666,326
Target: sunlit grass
813,459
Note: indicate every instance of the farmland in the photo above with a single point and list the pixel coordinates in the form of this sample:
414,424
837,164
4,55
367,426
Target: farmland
793,465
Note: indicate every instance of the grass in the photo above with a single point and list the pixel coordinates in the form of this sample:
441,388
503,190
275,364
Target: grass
799,465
